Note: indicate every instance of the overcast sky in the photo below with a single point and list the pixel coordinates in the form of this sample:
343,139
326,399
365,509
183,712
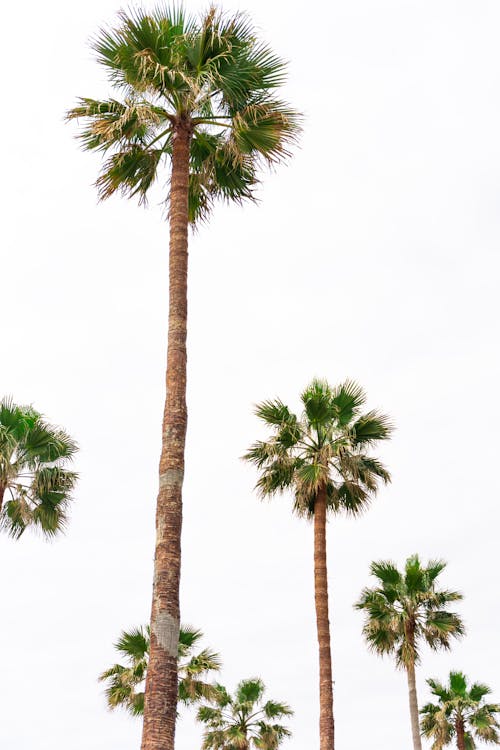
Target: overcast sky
373,255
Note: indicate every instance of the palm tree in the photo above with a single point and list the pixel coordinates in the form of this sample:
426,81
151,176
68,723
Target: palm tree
460,713
322,458
243,721
35,486
404,609
200,97
125,683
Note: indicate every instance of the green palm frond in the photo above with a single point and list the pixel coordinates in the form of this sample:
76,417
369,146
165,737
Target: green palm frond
317,399
273,710
277,476
131,171
348,397
478,691
134,644
370,428
387,573
249,691
267,129
439,626
275,413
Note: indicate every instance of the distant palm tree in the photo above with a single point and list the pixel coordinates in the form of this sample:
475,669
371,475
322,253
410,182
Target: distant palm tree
199,97
35,485
460,714
125,684
243,721
322,459
404,609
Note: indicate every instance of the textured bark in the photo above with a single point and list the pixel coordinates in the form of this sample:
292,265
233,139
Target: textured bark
412,695
326,723
2,493
460,730
161,682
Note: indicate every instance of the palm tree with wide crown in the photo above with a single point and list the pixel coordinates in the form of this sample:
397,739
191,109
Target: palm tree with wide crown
405,609
199,96
460,714
323,459
35,483
244,720
125,682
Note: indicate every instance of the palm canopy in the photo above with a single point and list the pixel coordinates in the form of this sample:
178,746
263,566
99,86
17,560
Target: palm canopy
243,720
35,485
460,709
125,683
407,607
326,448
210,74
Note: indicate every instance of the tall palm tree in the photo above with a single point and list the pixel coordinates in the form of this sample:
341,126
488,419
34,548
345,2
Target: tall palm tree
405,609
461,713
199,96
125,683
322,458
35,485
243,721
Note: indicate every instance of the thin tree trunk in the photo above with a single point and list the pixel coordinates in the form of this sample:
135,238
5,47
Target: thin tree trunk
161,682
2,493
459,727
326,723
412,694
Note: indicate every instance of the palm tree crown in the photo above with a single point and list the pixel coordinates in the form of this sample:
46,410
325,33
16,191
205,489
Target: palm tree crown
244,720
211,76
460,713
406,608
35,486
325,448
125,683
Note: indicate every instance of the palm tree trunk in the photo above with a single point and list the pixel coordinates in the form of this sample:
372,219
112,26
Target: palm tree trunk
2,493
459,727
326,723
412,693
161,682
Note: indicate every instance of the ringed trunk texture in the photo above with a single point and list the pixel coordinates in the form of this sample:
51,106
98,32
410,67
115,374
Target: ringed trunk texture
161,681
460,729
326,723
412,694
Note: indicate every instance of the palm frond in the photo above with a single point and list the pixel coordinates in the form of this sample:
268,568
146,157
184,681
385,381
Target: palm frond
347,399
371,427
132,172
134,644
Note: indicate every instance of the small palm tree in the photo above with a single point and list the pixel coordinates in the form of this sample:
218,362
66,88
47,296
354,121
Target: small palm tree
243,721
35,485
199,97
125,684
405,609
460,713
322,459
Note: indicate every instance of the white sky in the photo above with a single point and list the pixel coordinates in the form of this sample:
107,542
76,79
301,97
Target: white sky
374,255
